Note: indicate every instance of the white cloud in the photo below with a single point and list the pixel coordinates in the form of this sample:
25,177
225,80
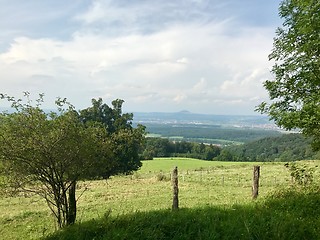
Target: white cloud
190,64
94,14
247,84
201,85
179,97
183,60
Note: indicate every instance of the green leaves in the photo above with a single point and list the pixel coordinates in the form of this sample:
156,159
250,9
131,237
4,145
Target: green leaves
47,153
123,141
295,91
302,175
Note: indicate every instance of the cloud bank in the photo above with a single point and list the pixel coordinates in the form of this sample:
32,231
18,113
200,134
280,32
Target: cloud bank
159,56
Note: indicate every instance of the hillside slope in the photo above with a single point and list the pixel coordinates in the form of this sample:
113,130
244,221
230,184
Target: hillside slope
288,147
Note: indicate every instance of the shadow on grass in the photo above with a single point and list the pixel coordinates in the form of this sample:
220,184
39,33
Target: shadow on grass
286,215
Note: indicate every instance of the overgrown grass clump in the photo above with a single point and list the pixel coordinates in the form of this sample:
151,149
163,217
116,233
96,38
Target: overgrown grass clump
290,215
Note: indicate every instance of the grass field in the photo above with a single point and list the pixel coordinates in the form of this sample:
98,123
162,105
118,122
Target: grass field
218,187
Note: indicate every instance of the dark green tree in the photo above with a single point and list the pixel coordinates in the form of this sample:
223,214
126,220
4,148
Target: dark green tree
211,151
111,117
225,155
126,141
295,89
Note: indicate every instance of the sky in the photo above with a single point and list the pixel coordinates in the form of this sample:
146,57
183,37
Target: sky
203,56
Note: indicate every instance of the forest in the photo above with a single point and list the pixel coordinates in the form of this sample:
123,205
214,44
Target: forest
287,147
163,147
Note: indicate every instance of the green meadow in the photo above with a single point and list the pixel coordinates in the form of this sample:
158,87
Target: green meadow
215,203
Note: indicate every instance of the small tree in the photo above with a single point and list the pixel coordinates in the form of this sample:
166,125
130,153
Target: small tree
295,91
47,153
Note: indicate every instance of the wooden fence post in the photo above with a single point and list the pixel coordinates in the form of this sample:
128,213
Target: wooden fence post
255,184
175,202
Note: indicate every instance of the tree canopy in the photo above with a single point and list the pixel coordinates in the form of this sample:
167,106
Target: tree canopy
126,141
286,148
295,90
47,153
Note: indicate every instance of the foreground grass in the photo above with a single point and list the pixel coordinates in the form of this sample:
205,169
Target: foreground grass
222,188
293,215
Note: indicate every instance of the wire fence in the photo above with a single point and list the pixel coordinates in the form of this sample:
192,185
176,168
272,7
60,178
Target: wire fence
222,178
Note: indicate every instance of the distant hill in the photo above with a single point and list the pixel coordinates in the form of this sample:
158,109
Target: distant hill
288,147
184,111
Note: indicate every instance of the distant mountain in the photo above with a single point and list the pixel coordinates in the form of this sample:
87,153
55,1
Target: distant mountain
184,111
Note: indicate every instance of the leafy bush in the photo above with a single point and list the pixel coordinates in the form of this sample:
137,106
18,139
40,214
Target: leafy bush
301,174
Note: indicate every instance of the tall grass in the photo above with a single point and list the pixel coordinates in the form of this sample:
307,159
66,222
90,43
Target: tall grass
292,216
218,190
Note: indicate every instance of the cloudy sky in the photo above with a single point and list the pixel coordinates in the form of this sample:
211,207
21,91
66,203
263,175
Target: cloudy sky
204,56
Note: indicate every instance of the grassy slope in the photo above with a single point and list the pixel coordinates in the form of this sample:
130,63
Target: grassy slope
274,219
212,193
184,164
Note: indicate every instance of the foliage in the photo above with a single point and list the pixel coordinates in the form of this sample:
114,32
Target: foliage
295,91
163,147
126,140
288,147
47,153
111,117
302,174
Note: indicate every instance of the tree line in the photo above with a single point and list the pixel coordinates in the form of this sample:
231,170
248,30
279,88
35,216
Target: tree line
163,147
287,147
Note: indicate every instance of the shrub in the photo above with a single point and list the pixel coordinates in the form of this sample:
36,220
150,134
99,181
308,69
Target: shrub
302,175
162,177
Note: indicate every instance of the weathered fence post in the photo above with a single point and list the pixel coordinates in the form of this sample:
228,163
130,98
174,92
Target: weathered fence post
255,184
175,202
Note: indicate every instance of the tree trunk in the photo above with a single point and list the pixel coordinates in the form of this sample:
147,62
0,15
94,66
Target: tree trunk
72,211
